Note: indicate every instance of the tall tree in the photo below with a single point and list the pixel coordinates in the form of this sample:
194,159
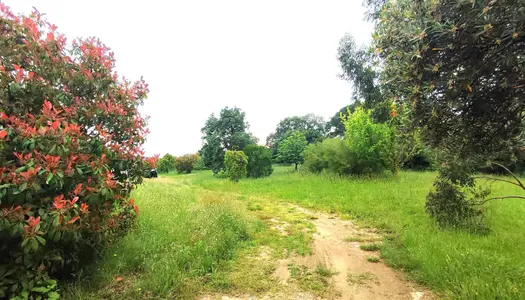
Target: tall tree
228,132
359,68
291,149
313,128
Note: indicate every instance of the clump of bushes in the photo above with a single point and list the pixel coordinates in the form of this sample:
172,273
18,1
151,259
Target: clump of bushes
184,164
332,155
70,154
166,164
235,163
259,161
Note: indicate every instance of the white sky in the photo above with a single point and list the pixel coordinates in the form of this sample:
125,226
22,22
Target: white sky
272,58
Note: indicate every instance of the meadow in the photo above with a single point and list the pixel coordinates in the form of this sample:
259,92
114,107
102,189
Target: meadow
198,233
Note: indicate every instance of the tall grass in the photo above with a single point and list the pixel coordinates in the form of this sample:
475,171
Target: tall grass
183,234
459,264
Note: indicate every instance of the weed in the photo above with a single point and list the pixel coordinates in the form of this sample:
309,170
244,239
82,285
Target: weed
369,247
373,259
353,239
359,278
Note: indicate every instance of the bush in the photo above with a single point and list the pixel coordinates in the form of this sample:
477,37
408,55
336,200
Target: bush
184,164
332,155
199,165
70,139
235,163
369,142
451,202
166,163
259,161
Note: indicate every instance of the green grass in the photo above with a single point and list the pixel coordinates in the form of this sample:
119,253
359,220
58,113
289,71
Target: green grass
456,263
370,247
183,234
372,259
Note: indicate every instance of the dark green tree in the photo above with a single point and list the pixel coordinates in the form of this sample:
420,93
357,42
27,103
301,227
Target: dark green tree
313,127
291,149
259,161
228,132
459,66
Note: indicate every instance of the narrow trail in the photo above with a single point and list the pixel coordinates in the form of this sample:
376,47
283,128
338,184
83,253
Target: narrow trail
356,277
336,246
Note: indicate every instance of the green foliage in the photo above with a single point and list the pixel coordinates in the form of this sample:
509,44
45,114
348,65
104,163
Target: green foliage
185,164
458,69
369,142
228,132
313,127
358,68
332,155
259,161
488,266
291,149
70,154
458,65
166,164
199,165
185,236
235,163
335,126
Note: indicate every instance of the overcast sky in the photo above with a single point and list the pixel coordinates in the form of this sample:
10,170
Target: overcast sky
272,58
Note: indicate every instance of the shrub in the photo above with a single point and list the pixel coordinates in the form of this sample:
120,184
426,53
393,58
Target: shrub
259,161
332,155
70,139
166,163
449,203
184,164
235,163
369,142
199,165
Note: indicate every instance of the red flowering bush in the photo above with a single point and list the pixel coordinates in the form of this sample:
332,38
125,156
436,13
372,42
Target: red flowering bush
70,153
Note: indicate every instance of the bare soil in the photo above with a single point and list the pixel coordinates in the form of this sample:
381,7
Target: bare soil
354,277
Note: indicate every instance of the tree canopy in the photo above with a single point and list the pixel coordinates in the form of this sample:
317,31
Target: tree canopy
460,66
228,132
291,149
313,128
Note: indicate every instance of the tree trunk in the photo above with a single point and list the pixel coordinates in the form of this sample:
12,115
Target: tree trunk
295,166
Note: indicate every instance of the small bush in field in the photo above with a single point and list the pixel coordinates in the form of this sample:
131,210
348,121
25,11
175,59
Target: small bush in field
166,163
184,164
70,139
235,163
259,161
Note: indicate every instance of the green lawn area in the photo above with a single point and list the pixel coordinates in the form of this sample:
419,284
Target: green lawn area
455,263
199,233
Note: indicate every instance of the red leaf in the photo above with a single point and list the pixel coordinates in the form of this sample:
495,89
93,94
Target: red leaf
3,134
73,220
17,67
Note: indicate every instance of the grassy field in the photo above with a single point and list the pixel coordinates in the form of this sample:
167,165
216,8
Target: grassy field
200,234
455,263
183,234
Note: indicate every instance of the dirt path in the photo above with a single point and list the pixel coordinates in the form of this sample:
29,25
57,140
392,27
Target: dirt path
351,273
337,246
